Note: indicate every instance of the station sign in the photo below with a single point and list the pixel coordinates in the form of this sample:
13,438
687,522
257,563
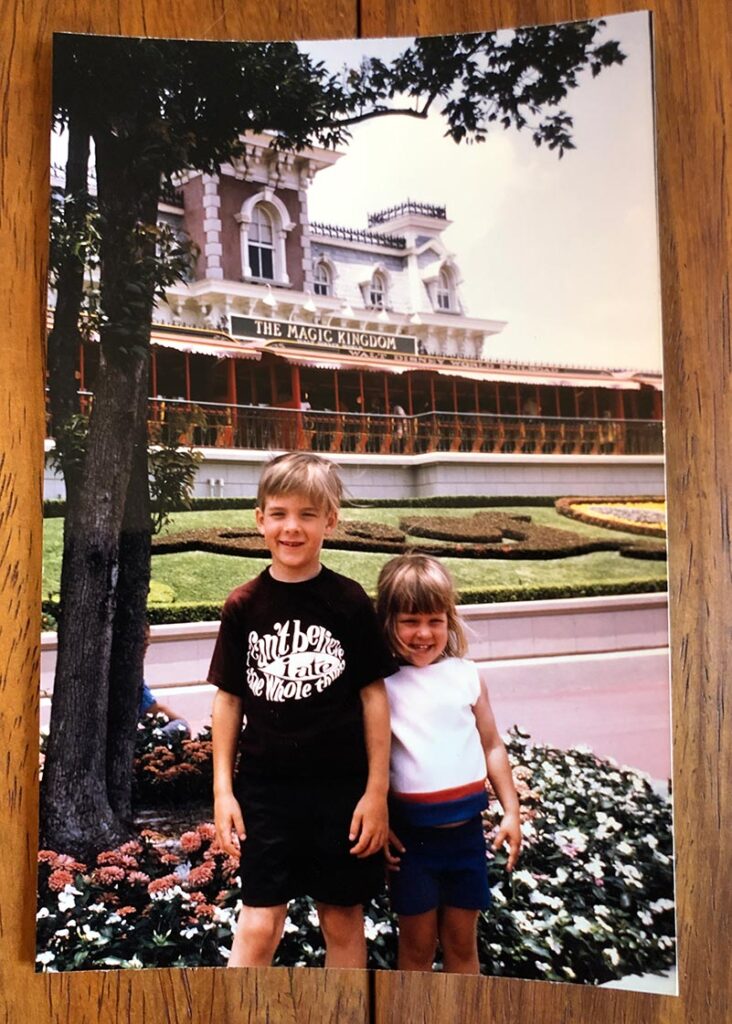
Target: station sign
343,340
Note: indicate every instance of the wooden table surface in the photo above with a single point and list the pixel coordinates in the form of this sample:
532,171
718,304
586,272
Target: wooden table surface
694,86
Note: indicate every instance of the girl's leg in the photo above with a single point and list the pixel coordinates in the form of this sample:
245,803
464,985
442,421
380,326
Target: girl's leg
342,927
257,935
459,940
417,941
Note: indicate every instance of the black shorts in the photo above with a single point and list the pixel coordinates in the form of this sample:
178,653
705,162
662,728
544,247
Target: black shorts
297,843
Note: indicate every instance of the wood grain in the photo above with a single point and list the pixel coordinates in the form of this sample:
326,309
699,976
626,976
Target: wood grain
693,98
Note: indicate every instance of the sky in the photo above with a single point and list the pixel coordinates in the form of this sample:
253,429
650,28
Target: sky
565,251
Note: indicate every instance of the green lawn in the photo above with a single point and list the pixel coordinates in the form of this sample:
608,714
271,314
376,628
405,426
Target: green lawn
199,576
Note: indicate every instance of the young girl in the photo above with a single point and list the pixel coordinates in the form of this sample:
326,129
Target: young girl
444,744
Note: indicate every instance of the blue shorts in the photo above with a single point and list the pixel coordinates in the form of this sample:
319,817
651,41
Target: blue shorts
441,867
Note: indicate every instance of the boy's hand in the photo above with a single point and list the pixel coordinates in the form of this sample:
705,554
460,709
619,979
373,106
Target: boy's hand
369,825
509,833
393,843
230,831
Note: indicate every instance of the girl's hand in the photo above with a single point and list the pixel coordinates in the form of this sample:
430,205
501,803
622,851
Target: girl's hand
510,834
229,821
393,843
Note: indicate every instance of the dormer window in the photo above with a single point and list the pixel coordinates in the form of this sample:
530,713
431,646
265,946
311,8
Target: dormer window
264,223
444,292
261,244
322,280
377,291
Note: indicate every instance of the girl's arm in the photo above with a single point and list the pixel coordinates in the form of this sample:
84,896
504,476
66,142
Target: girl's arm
500,777
226,719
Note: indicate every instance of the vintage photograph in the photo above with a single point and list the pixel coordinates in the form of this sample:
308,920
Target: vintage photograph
355,645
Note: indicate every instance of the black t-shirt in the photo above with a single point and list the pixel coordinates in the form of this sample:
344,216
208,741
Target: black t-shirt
298,655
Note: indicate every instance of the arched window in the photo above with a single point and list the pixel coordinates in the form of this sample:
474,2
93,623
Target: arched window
377,291
443,293
322,282
261,243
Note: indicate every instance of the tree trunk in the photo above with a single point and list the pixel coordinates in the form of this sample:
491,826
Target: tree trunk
65,338
76,813
128,637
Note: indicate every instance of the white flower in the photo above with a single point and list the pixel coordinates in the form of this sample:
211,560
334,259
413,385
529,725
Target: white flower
645,917
561,876
67,897
87,934
541,966
659,906
600,910
113,919
43,912
595,867
612,954
135,963
650,841
582,925
61,933
527,830
546,901
313,918
97,908
582,748
190,933
45,958
525,878
290,927
569,972
226,953
497,894
624,848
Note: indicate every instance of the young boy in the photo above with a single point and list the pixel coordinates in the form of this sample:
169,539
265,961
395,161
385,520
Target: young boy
299,655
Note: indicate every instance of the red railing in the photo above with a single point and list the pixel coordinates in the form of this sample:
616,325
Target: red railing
267,427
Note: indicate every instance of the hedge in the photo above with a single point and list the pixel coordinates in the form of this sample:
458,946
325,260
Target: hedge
165,614
55,508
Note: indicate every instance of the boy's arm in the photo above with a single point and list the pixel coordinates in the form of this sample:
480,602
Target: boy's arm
500,777
226,719
369,824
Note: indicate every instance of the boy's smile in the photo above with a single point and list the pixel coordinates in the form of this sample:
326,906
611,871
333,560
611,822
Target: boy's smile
294,529
423,636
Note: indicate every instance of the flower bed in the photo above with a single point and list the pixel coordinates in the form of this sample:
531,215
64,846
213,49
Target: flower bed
482,535
642,515
591,900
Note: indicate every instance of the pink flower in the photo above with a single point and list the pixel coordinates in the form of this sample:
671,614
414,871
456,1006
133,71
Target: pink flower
201,875
124,911
108,875
47,856
570,850
131,849
59,879
64,861
207,831
169,858
190,842
162,884
138,878
204,910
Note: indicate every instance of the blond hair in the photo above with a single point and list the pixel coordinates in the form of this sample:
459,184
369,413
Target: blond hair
418,584
302,473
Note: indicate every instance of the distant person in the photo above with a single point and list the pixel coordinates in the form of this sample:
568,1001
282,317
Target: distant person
299,654
444,745
150,705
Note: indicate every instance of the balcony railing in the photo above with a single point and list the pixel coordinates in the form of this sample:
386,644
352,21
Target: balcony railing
267,427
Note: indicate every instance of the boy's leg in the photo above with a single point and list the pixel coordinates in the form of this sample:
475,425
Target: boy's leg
417,941
459,940
342,927
257,935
